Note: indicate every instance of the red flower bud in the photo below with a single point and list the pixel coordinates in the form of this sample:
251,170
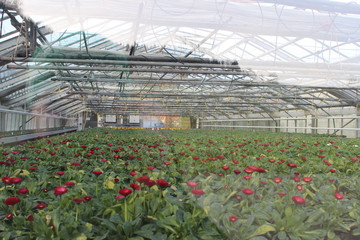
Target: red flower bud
247,191
12,200
197,192
338,196
60,190
125,191
162,183
78,200
298,200
16,180
97,173
23,191
232,218
41,206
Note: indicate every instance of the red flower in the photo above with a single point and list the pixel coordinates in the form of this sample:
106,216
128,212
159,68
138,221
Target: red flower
60,190
116,180
225,167
192,184
299,187
69,183
135,186
125,191
307,179
151,168
142,179
16,180
9,215
237,171
296,179
162,183
248,170
247,177
12,200
6,180
167,163
87,198
232,218
292,165
23,191
277,180
338,196
75,164
298,200
41,206
197,192
78,200
261,170
132,173
235,161
60,173
332,170
281,193
97,173
247,191
30,218
150,183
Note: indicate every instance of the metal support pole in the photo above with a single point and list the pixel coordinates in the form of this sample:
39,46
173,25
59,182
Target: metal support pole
2,122
358,120
313,124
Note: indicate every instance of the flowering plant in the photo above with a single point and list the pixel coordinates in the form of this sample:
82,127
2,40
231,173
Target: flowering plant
142,184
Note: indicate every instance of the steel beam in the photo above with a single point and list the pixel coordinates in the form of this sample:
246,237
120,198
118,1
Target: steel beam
143,62
21,138
200,95
5,110
128,70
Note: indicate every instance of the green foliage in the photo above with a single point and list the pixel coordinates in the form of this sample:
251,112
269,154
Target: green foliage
173,212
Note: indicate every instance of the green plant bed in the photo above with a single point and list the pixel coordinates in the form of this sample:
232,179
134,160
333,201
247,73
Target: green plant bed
183,184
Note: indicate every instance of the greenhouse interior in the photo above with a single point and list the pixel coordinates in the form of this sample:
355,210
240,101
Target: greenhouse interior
158,119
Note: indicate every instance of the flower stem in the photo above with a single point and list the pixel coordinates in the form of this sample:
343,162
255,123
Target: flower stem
77,214
96,189
125,211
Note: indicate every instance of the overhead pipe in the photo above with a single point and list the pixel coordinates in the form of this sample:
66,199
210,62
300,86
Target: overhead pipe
207,95
142,62
154,70
245,83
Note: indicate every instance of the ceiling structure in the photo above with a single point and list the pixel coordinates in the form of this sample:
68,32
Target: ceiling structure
181,58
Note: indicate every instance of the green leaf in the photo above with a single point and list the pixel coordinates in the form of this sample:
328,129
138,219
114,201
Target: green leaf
259,238
108,211
128,228
356,232
282,235
81,237
262,230
109,184
331,234
288,211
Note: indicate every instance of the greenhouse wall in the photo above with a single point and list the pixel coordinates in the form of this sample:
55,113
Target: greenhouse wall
340,121
14,123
